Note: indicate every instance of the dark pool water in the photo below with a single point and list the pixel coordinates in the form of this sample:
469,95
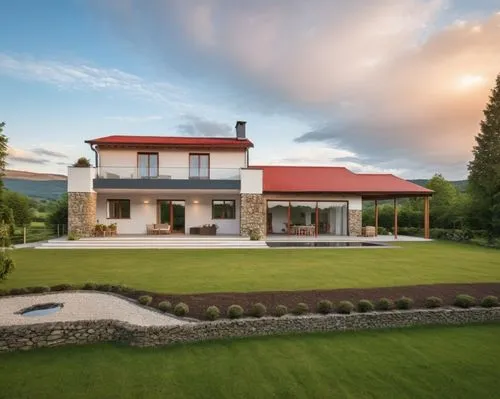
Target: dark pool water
43,309
327,244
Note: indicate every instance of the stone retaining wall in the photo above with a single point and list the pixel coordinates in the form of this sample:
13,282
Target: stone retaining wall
85,332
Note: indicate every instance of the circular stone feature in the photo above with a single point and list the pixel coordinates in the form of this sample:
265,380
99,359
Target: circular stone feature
42,309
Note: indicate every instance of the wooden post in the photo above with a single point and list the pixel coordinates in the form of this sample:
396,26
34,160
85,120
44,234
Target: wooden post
376,218
316,229
426,217
288,218
24,234
171,216
395,218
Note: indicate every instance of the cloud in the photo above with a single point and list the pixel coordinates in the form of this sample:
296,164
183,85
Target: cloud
196,126
385,80
21,156
135,119
50,153
72,76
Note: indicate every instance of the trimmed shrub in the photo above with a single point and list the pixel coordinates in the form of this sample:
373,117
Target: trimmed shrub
280,310
7,265
234,311
39,290
345,307
18,291
103,287
384,304
73,236
3,292
145,300
258,310
90,286
365,306
404,303
324,306
433,302
301,308
464,301
490,301
212,313
62,287
120,288
165,306
181,309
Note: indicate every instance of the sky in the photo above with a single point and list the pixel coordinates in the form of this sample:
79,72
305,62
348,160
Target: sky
389,86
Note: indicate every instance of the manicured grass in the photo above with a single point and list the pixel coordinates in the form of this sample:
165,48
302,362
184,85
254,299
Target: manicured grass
458,362
188,271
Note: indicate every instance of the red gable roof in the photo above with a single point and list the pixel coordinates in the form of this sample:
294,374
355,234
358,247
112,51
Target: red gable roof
314,179
218,142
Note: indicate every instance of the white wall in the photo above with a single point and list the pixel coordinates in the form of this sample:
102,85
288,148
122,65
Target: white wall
252,181
142,214
174,163
80,180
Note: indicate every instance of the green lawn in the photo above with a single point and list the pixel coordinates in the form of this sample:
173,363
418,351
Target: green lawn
455,362
188,271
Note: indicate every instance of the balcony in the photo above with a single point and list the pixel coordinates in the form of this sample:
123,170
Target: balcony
123,177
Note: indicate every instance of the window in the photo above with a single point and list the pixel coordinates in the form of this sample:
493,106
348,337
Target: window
199,166
224,209
147,164
118,209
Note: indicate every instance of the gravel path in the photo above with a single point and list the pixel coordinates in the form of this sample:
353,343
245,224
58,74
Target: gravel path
82,306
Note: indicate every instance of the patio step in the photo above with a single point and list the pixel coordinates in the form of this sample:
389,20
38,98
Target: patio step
151,244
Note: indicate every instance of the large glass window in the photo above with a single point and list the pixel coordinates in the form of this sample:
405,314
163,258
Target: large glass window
118,209
223,209
147,164
199,166
277,217
332,218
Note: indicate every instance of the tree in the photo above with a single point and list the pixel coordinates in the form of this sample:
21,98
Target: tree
444,202
484,169
82,163
20,205
3,154
59,211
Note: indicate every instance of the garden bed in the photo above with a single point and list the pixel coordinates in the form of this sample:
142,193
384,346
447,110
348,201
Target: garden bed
198,303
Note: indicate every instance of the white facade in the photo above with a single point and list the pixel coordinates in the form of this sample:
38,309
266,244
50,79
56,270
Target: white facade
144,210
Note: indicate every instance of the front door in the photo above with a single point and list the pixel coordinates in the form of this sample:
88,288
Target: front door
172,212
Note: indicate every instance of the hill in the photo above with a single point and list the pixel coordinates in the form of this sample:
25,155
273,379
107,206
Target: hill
461,185
35,185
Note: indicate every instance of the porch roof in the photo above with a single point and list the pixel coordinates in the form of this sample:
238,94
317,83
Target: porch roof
317,179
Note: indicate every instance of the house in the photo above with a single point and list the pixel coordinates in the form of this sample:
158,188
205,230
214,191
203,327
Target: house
191,182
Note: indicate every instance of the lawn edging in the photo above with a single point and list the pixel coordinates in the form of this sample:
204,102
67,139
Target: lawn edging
27,337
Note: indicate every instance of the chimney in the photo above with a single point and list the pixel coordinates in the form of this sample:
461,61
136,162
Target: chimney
241,130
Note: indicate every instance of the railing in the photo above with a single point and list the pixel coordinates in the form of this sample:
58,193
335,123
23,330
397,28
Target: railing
174,173
24,235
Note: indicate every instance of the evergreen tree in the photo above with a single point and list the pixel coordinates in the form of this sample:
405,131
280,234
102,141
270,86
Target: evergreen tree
484,169
3,154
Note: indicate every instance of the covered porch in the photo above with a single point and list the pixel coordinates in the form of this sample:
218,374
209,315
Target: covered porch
168,213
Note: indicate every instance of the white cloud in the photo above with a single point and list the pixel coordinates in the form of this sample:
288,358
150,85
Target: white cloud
72,76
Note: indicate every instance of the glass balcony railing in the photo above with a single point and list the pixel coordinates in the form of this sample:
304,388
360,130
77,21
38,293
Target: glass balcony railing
174,173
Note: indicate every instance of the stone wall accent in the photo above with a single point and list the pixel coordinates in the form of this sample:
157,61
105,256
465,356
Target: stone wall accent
81,213
84,332
355,222
253,215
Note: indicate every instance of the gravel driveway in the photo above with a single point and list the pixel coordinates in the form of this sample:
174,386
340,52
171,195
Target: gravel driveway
82,306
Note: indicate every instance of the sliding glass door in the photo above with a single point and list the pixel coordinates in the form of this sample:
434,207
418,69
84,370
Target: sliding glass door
172,212
307,217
